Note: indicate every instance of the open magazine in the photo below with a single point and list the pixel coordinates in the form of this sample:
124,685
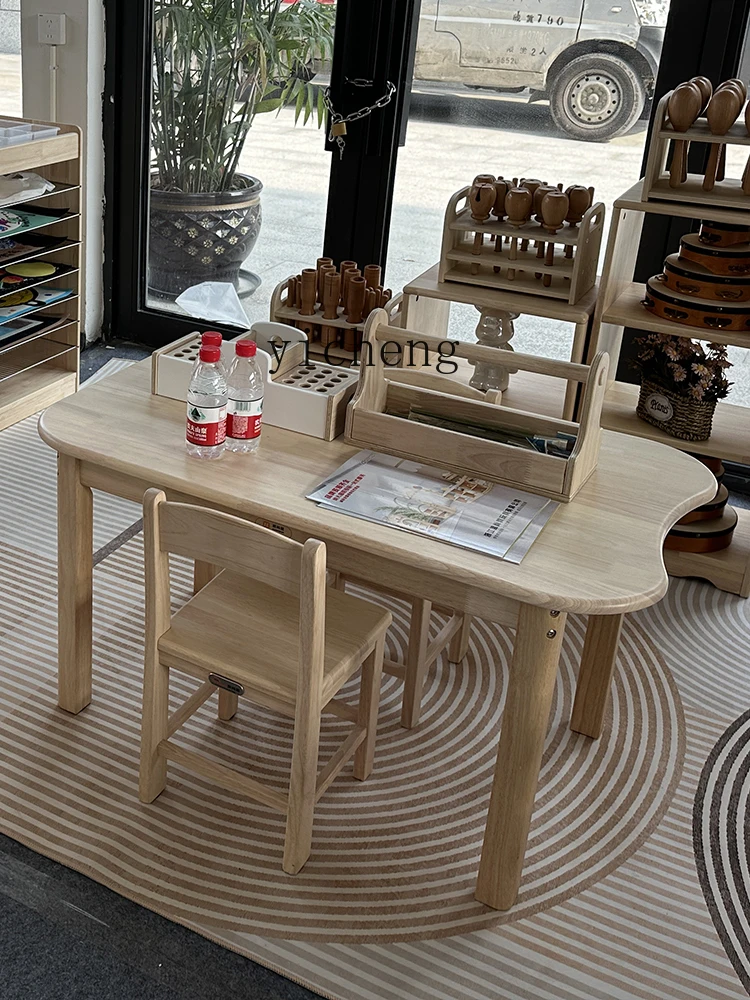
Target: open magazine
460,509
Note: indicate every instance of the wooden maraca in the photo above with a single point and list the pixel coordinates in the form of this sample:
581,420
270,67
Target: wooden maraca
555,205
746,173
531,184
721,114
683,108
481,202
580,199
501,189
518,205
741,90
706,88
536,212
484,179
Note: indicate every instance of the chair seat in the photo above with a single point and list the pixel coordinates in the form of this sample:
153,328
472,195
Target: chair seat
250,632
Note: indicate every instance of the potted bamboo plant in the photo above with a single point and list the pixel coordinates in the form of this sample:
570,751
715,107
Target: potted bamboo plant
681,382
217,64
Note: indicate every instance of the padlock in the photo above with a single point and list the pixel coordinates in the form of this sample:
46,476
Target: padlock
338,128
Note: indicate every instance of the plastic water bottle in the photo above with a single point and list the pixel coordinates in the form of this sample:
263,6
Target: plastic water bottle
245,399
212,338
207,406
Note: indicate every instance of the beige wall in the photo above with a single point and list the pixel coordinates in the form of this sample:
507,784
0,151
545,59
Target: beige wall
79,102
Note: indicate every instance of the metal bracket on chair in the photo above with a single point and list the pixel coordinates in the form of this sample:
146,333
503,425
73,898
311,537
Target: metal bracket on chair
226,683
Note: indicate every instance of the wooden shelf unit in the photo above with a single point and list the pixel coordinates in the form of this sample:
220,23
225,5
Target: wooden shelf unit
727,193
41,368
618,306
501,264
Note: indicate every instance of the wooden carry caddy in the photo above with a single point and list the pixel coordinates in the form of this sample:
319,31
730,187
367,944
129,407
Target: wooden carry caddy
377,416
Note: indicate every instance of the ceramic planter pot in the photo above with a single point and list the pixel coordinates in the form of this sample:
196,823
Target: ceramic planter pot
201,237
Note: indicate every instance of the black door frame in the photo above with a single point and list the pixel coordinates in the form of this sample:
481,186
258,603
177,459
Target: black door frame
373,37
375,41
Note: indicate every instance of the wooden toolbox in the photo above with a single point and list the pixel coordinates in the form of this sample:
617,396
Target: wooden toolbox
377,417
574,252
301,395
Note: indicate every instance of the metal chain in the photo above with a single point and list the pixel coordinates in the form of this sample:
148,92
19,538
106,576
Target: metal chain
337,129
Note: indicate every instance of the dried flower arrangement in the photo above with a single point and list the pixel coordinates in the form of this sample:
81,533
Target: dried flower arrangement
684,367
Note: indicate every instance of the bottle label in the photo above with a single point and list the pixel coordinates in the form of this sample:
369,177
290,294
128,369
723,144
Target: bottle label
206,425
244,418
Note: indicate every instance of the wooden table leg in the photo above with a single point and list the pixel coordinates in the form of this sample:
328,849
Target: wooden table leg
519,754
416,662
459,645
595,674
75,567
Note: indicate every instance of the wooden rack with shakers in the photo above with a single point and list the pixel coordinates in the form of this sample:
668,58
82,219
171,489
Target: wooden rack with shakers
378,417
494,235
331,305
695,112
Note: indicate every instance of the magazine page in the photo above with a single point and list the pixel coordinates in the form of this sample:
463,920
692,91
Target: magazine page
464,510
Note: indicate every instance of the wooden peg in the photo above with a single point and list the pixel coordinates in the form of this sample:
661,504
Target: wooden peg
344,266
371,301
385,297
298,291
373,275
355,298
309,291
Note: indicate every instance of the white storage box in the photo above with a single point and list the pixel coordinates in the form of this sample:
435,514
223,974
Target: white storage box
308,397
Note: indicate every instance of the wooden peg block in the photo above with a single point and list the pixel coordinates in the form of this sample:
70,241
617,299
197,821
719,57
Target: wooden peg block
373,275
355,298
308,291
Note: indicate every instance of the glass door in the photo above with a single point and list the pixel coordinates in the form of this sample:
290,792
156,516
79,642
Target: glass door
218,161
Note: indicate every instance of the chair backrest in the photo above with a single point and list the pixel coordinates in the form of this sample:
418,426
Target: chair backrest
227,541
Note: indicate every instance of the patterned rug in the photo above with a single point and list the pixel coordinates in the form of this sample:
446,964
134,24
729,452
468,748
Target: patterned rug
636,878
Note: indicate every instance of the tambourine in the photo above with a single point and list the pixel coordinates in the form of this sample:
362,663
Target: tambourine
663,302
723,234
712,536
710,511
734,260
687,278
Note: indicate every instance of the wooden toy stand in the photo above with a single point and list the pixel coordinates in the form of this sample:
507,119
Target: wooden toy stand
570,265
726,193
282,312
619,306
42,367
376,418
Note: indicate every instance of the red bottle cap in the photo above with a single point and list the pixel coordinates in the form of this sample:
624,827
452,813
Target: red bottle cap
246,348
210,353
211,338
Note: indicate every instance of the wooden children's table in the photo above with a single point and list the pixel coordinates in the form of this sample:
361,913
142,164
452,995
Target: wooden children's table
599,555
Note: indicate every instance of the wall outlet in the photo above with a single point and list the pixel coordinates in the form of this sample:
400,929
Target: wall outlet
51,29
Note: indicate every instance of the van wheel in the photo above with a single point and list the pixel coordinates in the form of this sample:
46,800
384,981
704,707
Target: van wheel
596,97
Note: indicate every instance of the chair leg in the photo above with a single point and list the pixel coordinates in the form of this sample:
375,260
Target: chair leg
154,728
228,704
369,703
302,787
459,644
416,662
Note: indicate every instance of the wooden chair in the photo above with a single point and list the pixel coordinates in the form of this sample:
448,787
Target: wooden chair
268,628
420,652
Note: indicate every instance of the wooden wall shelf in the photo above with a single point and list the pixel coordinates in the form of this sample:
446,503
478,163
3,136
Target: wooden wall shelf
41,367
619,306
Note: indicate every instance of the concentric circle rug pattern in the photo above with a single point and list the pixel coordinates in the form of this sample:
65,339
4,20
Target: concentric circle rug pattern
394,858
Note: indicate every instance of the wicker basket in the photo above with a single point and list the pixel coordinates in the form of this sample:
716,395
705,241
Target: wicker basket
688,419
